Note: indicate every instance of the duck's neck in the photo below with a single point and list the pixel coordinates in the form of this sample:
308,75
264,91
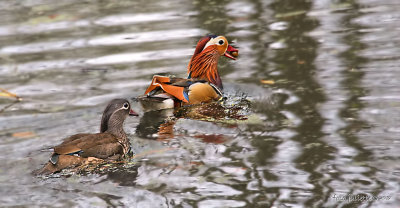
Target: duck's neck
116,127
205,66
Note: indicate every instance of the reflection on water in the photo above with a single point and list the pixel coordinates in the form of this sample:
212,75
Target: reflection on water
154,124
322,123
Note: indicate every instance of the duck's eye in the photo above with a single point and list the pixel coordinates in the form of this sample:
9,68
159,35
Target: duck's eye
126,106
221,42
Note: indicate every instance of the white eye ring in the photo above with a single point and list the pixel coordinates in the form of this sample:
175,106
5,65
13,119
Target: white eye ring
125,106
221,42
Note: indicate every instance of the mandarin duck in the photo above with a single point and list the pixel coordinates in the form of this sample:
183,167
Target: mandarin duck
111,144
203,83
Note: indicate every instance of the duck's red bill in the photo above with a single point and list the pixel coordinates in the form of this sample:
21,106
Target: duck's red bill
231,52
133,113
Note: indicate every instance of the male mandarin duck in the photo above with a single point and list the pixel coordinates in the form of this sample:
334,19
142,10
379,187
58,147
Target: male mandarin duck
203,83
111,144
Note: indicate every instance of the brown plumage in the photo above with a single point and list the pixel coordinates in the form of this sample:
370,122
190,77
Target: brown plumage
202,72
111,144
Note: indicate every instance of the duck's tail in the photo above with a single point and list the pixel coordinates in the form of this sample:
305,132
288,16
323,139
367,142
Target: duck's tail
165,83
64,161
157,102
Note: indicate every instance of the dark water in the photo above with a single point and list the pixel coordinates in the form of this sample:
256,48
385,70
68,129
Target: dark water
326,128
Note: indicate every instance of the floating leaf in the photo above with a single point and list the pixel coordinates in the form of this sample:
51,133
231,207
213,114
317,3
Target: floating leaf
25,134
341,6
5,93
50,19
301,62
312,145
290,14
270,82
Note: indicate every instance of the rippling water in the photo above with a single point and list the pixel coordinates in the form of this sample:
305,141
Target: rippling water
323,125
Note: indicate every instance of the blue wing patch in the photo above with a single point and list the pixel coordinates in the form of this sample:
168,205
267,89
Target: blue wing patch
54,158
185,94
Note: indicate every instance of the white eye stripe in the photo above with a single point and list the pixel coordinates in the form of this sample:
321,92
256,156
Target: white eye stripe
214,41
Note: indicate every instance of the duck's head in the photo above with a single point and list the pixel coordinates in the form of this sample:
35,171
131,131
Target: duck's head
203,64
115,114
214,43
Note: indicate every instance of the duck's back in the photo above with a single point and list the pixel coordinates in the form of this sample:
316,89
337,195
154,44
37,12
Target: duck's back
83,148
100,145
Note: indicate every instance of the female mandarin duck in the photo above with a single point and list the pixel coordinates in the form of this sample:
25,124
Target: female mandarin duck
203,83
110,144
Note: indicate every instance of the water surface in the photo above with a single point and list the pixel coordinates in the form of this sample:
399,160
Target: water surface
321,76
